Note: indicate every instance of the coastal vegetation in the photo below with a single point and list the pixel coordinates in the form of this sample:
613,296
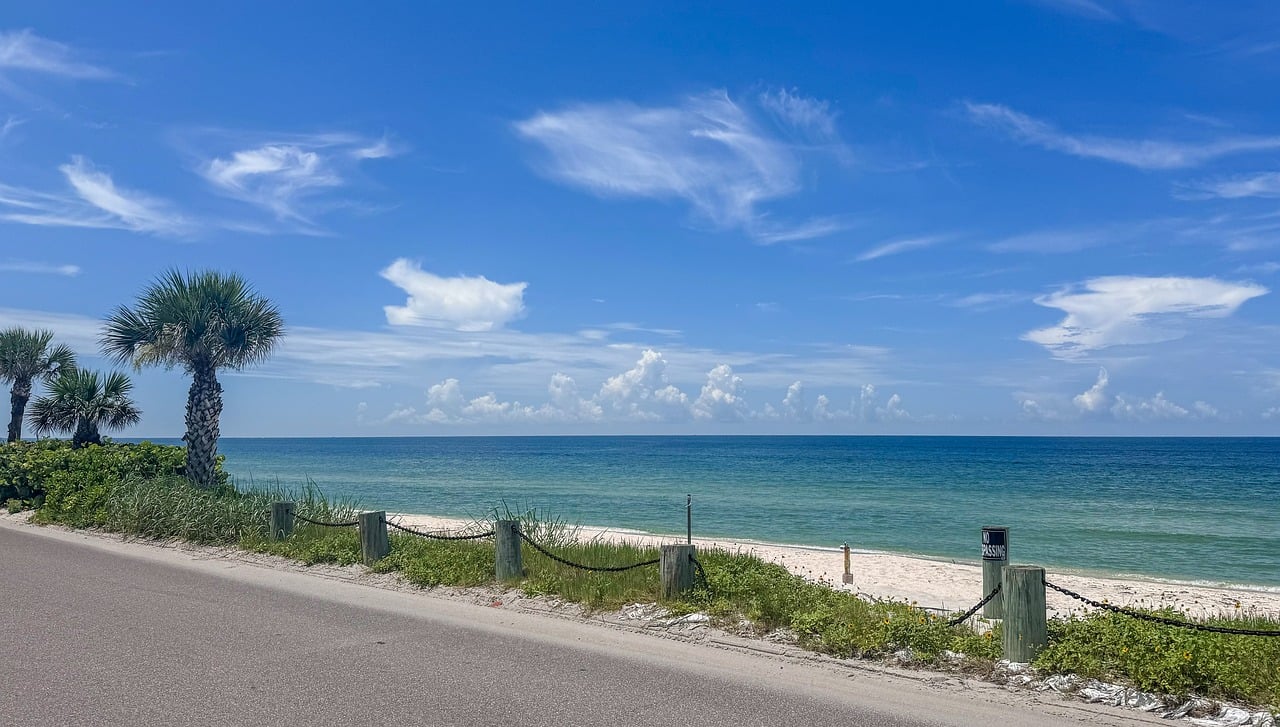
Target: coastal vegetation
139,490
202,322
25,357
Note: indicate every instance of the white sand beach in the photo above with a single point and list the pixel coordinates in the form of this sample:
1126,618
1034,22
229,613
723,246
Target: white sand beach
942,584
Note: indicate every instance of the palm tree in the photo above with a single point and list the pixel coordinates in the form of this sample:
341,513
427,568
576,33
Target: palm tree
24,357
80,401
203,322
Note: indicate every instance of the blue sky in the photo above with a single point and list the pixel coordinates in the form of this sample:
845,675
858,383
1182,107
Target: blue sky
1054,217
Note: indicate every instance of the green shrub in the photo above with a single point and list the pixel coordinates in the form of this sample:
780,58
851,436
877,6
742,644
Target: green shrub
72,484
13,505
1160,658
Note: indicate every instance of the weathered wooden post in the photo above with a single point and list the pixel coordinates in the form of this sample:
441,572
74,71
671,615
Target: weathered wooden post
995,556
282,520
676,570
848,575
508,561
373,536
1025,617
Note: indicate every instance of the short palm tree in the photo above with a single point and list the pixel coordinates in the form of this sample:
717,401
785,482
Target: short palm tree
25,356
203,322
81,402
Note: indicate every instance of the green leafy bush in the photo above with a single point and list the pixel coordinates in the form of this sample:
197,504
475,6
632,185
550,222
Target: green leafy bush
71,484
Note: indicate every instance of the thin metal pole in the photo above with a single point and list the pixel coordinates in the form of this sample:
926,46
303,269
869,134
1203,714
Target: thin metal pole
688,515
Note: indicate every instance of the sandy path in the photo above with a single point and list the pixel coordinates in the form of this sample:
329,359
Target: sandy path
938,583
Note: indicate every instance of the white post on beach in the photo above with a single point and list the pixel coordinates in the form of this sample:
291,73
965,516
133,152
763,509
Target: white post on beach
995,556
508,561
676,570
1025,630
282,520
373,536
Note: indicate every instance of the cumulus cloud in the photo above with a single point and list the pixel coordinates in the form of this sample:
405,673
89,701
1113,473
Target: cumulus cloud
707,150
867,408
721,397
1140,153
566,401
94,202
793,405
463,303
1153,409
644,392
1126,310
1096,398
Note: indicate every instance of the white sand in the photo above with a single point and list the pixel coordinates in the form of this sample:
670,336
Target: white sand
938,583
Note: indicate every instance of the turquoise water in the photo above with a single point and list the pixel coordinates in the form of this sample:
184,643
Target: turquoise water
1185,509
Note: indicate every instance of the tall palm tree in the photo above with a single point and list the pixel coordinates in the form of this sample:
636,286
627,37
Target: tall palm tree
25,356
203,322
80,401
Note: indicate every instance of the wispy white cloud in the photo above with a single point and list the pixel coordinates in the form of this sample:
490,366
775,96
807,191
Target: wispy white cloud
1260,184
707,150
77,331
95,202
11,122
989,301
291,176
1083,8
39,268
1263,268
897,247
809,116
1126,310
23,50
465,303
1140,153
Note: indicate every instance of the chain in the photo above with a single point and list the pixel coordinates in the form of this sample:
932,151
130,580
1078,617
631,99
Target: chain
571,564
964,617
1160,619
437,536
702,574
327,525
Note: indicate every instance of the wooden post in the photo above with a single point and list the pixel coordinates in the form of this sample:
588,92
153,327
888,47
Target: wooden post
1025,616
282,520
373,536
995,556
848,575
676,570
508,561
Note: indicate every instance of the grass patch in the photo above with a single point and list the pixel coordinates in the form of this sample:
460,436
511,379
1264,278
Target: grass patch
1169,660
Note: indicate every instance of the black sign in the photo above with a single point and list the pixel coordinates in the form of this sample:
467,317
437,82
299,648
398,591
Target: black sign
995,543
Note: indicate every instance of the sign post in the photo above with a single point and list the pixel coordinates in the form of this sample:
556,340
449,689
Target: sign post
995,556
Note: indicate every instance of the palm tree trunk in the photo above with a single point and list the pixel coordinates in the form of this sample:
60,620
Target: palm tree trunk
18,397
86,434
204,408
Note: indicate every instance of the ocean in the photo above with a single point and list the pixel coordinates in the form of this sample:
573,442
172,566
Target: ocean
1185,509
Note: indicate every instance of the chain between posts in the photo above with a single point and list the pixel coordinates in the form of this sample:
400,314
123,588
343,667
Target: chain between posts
325,524
702,574
571,564
1159,619
965,616
437,536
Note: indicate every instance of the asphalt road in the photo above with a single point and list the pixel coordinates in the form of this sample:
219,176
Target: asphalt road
98,632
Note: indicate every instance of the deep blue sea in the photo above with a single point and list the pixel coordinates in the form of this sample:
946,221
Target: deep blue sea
1183,509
